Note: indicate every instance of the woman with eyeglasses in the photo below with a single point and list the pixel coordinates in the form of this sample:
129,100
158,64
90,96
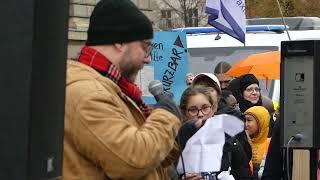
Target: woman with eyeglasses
198,103
247,91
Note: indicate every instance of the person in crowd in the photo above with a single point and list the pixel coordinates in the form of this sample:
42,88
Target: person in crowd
228,98
194,104
189,79
109,132
268,104
201,81
207,80
257,127
246,90
197,105
220,71
275,168
210,80
228,105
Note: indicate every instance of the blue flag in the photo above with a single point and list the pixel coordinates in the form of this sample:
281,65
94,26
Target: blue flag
228,16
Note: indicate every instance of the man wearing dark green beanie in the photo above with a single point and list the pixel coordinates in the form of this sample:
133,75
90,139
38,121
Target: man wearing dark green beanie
110,133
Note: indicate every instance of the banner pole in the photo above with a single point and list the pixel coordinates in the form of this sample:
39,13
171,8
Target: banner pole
283,21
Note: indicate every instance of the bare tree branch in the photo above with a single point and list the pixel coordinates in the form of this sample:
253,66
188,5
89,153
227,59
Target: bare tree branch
180,12
185,9
189,4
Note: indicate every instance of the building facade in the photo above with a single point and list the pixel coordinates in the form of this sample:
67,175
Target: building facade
164,14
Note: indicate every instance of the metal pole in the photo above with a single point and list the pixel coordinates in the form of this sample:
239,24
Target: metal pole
284,22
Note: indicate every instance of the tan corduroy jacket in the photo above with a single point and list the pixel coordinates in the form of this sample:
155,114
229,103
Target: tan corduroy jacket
106,135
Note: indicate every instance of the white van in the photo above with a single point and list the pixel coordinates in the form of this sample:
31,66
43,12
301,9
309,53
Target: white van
207,46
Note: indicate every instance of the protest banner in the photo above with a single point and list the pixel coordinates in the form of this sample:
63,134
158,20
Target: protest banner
169,64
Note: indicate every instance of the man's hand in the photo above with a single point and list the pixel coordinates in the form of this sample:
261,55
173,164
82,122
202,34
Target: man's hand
192,176
168,104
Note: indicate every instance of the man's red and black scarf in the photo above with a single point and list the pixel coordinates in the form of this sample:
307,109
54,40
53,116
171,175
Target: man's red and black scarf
100,63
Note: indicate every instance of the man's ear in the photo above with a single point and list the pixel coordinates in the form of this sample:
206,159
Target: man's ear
119,46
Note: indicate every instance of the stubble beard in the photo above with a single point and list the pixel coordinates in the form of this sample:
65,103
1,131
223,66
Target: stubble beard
131,76
129,71
129,68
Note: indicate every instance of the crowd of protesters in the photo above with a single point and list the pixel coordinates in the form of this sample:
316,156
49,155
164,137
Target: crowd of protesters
240,96
110,133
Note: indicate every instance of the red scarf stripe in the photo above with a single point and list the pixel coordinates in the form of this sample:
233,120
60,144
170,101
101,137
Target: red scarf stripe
117,74
114,72
94,60
110,75
99,62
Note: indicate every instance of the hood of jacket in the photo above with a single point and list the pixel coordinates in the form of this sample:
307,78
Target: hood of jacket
262,117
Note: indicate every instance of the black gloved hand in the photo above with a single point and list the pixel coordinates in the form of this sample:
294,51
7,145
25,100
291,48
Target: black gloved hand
168,104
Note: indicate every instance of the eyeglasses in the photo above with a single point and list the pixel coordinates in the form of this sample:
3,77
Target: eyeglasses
194,111
146,46
250,90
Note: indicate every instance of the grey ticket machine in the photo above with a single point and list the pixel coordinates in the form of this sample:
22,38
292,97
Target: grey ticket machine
300,97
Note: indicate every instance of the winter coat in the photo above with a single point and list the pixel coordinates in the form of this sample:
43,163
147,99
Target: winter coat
233,152
260,143
223,108
275,168
234,156
107,136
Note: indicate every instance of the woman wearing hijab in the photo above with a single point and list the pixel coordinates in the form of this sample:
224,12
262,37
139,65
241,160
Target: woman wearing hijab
247,91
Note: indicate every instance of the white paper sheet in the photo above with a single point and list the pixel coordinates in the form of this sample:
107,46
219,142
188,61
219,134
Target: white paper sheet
231,124
203,151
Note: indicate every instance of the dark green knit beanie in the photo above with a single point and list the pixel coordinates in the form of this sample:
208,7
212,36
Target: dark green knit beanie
117,21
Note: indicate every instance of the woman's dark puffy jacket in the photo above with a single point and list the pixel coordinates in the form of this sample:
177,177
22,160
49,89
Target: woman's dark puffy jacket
233,153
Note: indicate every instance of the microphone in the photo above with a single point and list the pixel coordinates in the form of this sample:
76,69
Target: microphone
156,89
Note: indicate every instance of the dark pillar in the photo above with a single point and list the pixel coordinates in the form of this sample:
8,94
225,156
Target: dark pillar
33,51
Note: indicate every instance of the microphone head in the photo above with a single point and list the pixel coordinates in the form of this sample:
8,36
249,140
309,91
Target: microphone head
155,87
